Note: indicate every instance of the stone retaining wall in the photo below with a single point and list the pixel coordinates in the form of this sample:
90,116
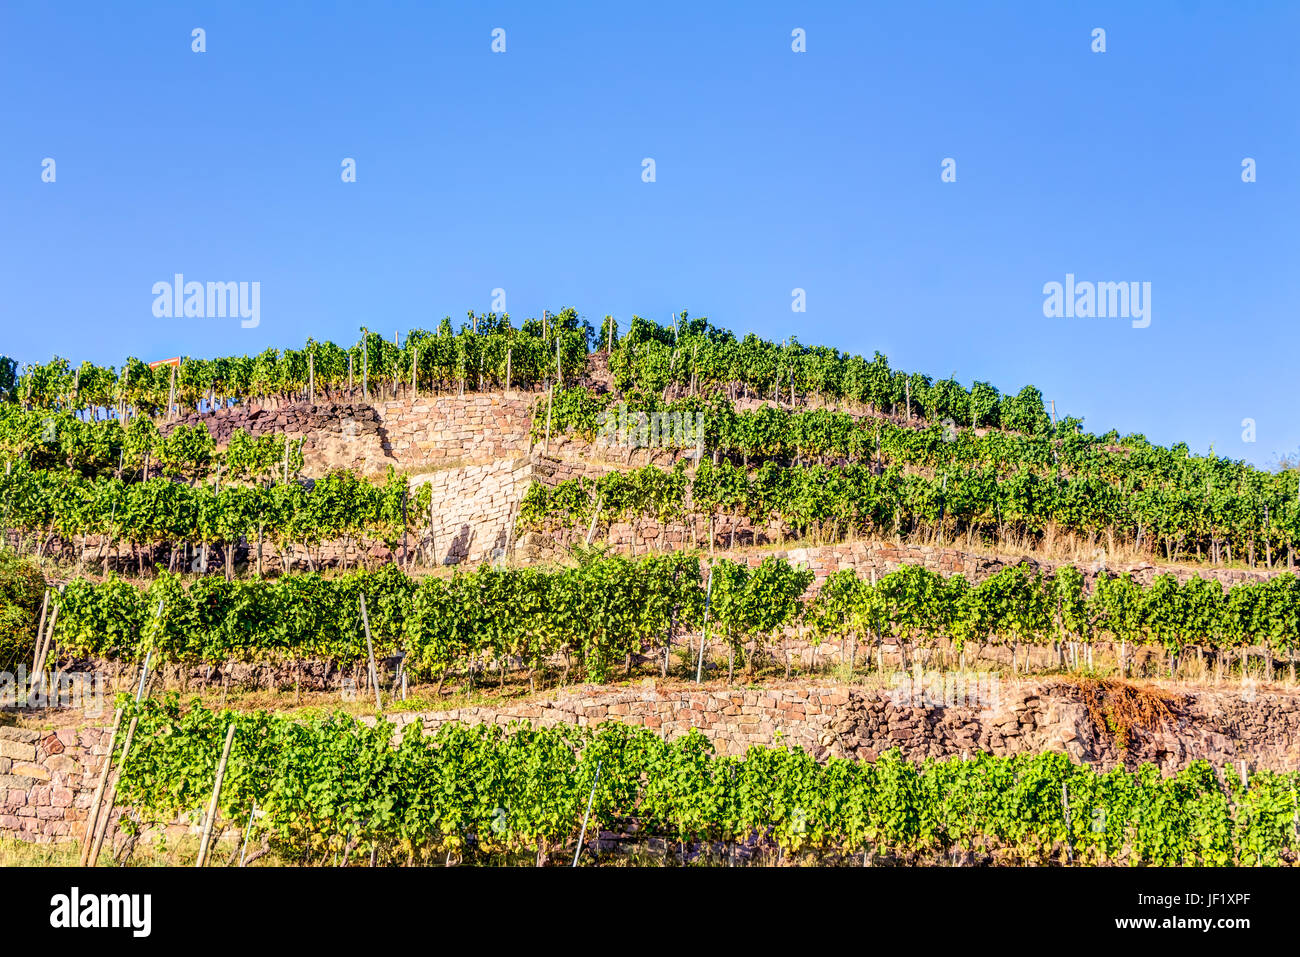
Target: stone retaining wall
886,556
864,557
47,781
427,432
982,713
473,507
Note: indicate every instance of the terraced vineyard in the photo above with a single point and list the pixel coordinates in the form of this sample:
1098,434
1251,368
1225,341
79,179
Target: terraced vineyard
831,519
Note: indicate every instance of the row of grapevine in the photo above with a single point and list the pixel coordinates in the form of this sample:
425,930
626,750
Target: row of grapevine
1182,502
647,360
600,613
332,788
605,609
478,355
60,440
834,501
697,357
159,511
914,606
823,435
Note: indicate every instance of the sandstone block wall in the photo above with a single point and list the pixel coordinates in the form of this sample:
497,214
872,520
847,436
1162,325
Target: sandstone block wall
444,430
469,519
427,432
47,781
473,507
864,557
1004,718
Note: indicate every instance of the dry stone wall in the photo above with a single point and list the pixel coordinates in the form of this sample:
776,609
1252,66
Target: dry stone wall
47,781
446,430
411,433
473,509
886,556
863,557
939,720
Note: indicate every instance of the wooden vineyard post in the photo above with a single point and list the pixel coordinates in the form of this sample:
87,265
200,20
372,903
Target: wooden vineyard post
1268,543
415,366
311,377
370,651
594,517
88,838
247,831
509,351
1069,830
101,826
582,834
511,522
144,675
365,368
100,823
672,627
206,840
148,657
40,637
406,560
43,648
550,400
40,627
433,537
704,632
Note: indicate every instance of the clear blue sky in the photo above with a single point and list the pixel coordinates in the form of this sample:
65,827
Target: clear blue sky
775,170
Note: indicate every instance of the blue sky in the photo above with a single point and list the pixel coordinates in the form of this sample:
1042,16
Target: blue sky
774,170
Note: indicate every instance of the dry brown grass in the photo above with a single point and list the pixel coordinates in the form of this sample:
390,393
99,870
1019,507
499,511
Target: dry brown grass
1119,707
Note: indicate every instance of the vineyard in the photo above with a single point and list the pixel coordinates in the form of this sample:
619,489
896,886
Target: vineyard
605,610
159,511
485,353
336,791
851,473
985,466
621,549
